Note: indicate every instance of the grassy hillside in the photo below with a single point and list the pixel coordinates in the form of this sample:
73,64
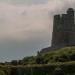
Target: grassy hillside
61,55
66,54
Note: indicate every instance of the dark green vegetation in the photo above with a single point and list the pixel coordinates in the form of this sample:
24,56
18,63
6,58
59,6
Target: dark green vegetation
58,62
61,55
66,54
49,69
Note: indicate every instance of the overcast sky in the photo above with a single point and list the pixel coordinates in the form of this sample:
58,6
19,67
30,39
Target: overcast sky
26,25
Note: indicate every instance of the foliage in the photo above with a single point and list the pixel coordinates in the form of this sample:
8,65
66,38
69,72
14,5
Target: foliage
66,68
61,55
14,62
28,60
58,62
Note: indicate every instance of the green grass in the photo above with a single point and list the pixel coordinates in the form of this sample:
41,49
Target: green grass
64,54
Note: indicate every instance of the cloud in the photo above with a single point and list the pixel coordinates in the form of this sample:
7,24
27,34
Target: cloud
23,30
26,2
23,22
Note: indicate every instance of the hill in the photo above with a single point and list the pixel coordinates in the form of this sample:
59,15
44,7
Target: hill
66,54
60,55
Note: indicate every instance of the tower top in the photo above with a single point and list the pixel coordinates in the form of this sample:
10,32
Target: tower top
70,11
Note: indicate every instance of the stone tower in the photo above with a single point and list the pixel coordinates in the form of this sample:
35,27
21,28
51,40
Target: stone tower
63,30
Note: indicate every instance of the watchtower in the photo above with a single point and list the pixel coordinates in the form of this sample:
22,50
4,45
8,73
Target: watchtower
63,29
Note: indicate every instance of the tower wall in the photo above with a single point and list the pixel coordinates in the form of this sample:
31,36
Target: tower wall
71,26
57,32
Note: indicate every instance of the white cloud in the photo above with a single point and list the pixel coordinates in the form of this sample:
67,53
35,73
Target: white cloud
23,21
26,2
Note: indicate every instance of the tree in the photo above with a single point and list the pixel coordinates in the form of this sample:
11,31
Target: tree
14,62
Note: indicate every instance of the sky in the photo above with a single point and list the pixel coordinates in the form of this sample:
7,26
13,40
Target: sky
26,26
